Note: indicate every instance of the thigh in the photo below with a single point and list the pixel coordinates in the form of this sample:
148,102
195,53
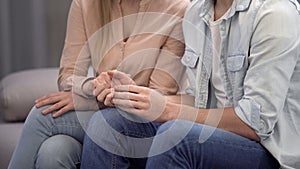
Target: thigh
72,123
121,133
208,147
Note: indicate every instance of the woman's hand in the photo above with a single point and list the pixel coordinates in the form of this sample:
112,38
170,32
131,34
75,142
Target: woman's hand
105,82
62,103
102,88
142,101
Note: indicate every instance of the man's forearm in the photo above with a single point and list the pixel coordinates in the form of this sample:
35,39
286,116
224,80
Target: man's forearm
225,119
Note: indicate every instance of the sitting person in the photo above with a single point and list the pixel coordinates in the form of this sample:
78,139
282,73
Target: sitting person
243,63
133,36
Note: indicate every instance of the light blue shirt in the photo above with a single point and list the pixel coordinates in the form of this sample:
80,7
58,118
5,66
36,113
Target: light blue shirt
260,59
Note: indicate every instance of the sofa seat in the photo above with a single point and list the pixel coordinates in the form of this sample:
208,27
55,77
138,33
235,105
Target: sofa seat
10,134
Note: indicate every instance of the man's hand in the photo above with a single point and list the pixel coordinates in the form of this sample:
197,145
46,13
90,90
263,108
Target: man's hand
120,78
62,102
142,101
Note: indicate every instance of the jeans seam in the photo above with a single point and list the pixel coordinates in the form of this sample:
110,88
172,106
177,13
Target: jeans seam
135,134
244,146
114,162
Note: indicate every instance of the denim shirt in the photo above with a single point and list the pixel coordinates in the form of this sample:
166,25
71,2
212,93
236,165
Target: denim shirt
260,63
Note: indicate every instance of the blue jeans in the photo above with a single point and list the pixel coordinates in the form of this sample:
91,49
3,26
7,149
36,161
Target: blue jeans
207,147
59,151
40,146
115,139
177,144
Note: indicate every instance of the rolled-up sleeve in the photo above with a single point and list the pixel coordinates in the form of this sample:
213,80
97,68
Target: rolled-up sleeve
273,56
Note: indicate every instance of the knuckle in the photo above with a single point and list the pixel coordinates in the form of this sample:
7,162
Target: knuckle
49,99
63,110
59,113
68,107
55,106
145,98
99,98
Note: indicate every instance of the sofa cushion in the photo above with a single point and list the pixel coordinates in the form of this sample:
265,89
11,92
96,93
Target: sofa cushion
10,134
19,90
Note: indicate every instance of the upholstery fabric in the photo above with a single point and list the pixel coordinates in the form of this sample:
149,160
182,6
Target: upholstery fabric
19,90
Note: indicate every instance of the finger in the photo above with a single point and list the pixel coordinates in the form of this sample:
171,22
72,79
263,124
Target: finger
116,82
99,88
127,80
105,79
103,94
113,73
52,108
119,78
108,99
62,111
40,99
130,96
46,97
129,103
129,88
118,74
47,101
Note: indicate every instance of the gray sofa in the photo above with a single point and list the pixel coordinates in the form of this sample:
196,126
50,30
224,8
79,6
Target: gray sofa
17,94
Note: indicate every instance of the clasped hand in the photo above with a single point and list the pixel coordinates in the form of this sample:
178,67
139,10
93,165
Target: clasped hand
117,89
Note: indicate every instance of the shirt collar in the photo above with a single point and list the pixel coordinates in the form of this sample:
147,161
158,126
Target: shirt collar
237,6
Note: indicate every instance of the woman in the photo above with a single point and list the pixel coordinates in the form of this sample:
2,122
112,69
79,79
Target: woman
140,37
243,63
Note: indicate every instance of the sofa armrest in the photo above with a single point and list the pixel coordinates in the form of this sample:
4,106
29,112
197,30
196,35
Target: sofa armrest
19,90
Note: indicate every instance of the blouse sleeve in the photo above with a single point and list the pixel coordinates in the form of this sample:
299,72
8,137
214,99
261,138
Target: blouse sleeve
168,73
75,59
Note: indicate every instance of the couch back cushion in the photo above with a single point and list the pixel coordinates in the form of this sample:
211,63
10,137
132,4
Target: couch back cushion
19,90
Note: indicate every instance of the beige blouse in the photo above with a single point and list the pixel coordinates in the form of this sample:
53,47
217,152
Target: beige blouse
144,40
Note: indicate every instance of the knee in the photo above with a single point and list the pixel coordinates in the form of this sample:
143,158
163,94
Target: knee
165,126
35,116
59,151
175,133
110,118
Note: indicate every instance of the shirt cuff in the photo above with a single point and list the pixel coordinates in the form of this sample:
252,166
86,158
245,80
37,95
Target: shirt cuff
88,87
83,86
249,112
